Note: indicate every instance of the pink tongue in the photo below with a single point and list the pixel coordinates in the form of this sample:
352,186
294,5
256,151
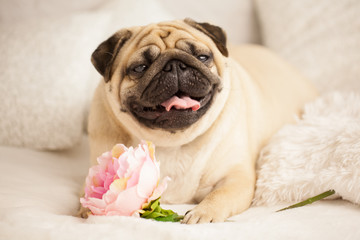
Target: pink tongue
181,103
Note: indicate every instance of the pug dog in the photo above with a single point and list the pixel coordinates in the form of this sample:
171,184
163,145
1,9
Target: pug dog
208,109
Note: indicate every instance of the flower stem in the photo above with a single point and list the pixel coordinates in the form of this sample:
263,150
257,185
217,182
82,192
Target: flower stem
310,200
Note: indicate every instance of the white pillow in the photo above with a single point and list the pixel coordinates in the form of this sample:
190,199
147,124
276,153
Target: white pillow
319,153
23,10
237,18
321,38
47,79
45,70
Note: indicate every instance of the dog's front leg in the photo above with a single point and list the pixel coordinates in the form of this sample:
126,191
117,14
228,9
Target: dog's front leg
232,195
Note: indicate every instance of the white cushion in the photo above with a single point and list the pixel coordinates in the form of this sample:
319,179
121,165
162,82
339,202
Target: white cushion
45,75
16,11
47,79
321,38
237,18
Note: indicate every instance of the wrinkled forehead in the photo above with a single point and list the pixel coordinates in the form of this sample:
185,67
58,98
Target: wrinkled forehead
154,39
163,36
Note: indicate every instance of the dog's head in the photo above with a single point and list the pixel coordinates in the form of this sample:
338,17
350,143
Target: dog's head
164,80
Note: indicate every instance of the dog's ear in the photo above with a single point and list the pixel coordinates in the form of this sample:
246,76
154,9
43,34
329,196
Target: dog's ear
104,56
216,33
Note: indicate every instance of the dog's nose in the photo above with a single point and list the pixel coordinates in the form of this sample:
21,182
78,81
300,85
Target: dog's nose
174,64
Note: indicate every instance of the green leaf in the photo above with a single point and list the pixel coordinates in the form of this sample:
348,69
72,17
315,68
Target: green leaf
154,204
145,214
151,207
170,218
155,215
154,211
309,200
167,212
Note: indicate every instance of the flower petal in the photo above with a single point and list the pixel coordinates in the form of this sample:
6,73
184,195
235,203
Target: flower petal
115,188
118,185
148,179
96,206
134,179
108,180
140,154
110,168
159,189
104,159
123,165
127,202
99,190
151,148
118,150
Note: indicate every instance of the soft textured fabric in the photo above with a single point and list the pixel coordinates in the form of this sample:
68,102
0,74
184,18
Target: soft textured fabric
45,71
237,18
39,193
319,153
47,79
321,38
20,11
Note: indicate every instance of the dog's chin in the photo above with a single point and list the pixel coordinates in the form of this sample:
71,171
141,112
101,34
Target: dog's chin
157,117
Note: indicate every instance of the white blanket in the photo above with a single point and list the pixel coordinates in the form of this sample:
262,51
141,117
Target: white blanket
39,196
318,153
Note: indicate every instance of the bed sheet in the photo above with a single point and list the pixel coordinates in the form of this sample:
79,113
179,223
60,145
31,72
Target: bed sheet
39,194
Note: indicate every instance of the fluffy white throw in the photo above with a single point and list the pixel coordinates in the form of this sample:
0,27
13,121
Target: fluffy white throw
320,152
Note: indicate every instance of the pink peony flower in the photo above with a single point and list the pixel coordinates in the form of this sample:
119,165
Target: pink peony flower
124,181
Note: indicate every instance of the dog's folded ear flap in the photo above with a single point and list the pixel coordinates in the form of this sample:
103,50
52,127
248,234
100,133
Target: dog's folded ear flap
104,56
216,33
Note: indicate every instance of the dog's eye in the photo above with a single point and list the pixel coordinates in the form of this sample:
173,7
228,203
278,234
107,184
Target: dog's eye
203,58
140,68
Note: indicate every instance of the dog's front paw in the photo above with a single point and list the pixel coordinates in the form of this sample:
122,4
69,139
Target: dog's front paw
203,214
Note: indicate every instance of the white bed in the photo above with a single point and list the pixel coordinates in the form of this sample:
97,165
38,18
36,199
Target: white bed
47,81
39,194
